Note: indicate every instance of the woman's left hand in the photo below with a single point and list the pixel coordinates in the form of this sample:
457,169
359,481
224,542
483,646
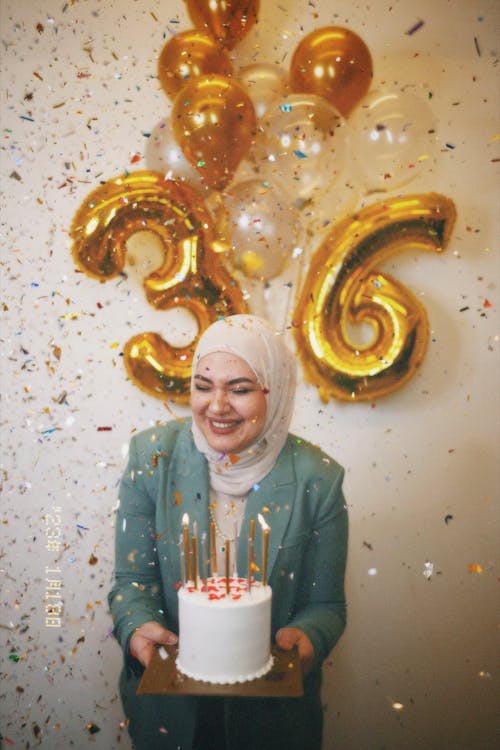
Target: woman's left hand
287,638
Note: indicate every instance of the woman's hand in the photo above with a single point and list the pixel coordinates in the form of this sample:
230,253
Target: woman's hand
146,637
287,638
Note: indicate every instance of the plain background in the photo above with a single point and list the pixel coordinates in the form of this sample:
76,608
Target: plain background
416,667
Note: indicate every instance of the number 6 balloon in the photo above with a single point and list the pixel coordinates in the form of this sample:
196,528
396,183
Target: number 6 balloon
343,287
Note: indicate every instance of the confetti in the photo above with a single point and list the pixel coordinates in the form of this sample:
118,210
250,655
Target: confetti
95,100
428,570
475,568
413,29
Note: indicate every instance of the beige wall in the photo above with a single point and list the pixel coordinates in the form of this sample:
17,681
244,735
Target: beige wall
78,95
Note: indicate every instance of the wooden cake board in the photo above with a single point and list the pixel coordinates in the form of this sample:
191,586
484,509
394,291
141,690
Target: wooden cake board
162,678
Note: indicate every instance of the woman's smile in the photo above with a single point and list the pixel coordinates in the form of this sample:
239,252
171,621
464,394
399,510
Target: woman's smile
217,425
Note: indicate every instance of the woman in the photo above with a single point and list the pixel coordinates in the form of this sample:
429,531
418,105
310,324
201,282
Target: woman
233,460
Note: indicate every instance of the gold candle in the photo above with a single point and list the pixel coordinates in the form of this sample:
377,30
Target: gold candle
194,544
265,547
250,561
213,549
187,551
228,552
204,558
251,542
183,559
265,550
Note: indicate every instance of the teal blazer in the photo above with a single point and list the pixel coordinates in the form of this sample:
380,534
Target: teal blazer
301,499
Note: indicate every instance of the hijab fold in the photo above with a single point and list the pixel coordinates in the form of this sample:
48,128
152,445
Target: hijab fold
252,339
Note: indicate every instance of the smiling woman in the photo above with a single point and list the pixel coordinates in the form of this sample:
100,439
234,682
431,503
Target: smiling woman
264,359
233,462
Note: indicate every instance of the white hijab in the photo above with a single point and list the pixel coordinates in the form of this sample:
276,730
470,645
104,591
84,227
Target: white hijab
254,340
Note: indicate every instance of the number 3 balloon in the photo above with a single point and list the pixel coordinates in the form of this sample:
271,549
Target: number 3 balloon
191,275
343,287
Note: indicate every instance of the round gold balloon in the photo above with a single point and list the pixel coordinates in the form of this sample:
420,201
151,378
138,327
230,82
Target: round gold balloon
190,55
214,122
191,275
227,21
334,63
343,289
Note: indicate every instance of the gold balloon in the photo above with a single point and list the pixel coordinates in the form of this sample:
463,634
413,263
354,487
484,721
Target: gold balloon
343,289
139,201
191,275
334,63
213,119
192,278
227,21
190,55
158,368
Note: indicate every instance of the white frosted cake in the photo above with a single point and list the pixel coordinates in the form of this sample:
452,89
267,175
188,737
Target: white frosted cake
225,638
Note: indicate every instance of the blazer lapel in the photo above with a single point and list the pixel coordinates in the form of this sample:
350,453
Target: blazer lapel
273,499
188,488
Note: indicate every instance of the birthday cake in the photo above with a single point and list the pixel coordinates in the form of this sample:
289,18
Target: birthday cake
224,632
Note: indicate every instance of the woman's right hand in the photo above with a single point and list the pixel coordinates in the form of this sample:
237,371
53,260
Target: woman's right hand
146,637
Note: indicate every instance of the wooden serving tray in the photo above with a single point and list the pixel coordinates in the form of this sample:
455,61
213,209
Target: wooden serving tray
283,680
